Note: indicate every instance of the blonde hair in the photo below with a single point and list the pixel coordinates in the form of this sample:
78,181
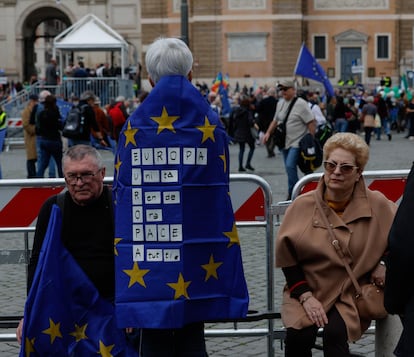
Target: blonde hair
349,142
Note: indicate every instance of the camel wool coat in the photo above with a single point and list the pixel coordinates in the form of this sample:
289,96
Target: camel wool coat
303,239
29,134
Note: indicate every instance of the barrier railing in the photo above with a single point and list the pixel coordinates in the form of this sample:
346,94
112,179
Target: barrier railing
264,219
390,182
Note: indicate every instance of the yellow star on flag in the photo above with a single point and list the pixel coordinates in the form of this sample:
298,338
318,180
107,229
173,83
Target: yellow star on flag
233,236
53,330
79,333
116,241
28,346
223,157
165,121
208,130
130,135
105,351
136,275
180,287
211,268
117,165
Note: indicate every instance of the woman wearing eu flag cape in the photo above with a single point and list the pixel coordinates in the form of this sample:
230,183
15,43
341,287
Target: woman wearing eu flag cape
178,259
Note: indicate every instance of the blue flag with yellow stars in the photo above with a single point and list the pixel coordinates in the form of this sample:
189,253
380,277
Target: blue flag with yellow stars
177,250
64,314
307,66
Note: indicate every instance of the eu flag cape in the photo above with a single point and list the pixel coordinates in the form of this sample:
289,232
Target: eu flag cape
64,314
178,257
308,67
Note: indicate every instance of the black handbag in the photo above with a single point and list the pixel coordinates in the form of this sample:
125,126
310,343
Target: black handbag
279,135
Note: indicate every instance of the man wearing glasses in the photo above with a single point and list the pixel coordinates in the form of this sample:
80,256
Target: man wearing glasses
87,226
299,121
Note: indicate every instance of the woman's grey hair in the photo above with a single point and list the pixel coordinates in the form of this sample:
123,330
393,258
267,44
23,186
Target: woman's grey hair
349,142
78,153
168,56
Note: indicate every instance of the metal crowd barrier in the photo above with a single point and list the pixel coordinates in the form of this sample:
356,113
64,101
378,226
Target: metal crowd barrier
267,224
271,218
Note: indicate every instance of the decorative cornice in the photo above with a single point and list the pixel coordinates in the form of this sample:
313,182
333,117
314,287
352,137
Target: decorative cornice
351,36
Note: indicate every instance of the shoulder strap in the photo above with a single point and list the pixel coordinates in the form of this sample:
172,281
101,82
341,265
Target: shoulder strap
292,103
337,246
60,201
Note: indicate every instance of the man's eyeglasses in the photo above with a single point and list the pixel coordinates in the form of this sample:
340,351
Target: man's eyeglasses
85,177
284,89
344,168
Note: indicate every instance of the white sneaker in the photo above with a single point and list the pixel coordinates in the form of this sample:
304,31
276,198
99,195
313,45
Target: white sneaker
411,138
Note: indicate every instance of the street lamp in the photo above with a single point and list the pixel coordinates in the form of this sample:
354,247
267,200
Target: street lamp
184,21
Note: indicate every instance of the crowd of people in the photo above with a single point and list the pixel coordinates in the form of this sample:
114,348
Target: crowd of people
255,113
43,125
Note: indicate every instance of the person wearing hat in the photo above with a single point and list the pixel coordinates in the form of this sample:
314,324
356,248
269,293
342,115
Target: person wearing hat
29,131
299,121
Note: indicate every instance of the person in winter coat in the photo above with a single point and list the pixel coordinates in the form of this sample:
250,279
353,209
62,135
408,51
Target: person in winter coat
319,291
119,115
29,131
266,110
369,110
48,127
242,122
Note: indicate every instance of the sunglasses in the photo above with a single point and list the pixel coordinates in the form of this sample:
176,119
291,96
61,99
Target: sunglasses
343,168
284,89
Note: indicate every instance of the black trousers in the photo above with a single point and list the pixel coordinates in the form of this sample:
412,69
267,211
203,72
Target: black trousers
299,343
187,341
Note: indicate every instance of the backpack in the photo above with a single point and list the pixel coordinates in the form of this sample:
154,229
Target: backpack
310,155
74,123
323,133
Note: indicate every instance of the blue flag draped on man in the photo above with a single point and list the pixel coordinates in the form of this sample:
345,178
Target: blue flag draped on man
64,314
308,67
178,257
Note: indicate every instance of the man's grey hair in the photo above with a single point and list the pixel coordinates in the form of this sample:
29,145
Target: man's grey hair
43,94
168,56
79,152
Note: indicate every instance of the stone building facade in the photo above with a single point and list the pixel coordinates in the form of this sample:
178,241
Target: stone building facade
251,40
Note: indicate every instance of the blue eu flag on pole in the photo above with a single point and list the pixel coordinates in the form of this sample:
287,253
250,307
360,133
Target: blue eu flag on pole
308,67
178,257
64,314
226,107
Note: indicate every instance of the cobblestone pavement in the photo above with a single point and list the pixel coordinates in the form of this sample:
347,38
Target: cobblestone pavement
395,154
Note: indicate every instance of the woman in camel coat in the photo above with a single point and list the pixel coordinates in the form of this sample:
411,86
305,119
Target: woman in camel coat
30,137
319,292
